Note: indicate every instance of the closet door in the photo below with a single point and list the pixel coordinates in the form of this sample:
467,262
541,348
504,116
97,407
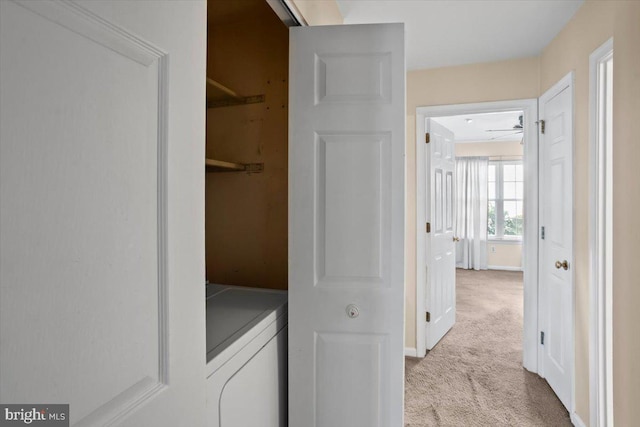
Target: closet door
101,209
346,225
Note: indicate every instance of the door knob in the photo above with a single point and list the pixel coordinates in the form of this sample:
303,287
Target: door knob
353,311
456,239
564,264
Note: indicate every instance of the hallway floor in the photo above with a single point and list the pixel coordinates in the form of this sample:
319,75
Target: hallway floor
474,376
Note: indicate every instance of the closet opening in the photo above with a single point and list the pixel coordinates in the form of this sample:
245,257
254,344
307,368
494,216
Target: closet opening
246,210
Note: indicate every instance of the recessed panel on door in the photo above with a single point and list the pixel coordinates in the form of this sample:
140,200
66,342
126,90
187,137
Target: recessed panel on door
449,201
360,78
351,207
438,200
349,387
556,342
556,197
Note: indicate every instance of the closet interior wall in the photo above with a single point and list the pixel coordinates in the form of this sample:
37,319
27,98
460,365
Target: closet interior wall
246,213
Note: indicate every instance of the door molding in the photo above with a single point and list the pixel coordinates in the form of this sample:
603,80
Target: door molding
600,285
529,107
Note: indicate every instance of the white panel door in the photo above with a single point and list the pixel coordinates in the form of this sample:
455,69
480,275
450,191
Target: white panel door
346,226
556,246
440,245
101,209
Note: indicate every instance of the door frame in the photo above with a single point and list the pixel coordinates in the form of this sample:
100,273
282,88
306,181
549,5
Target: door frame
600,285
529,107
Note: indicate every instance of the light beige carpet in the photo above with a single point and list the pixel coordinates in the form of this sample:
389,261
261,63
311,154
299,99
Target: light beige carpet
474,376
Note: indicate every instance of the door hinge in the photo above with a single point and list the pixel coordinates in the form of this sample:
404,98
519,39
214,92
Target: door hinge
427,138
428,227
428,317
541,337
541,126
542,232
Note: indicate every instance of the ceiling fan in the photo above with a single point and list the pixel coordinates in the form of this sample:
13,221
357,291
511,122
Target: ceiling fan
515,130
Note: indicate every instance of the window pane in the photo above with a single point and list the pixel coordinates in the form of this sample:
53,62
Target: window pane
492,173
513,218
492,190
519,220
491,219
509,191
519,172
519,190
509,172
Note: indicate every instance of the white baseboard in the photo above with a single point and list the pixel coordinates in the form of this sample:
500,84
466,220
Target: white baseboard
503,267
410,351
577,421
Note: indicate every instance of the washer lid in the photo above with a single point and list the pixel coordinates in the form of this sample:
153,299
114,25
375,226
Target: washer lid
234,311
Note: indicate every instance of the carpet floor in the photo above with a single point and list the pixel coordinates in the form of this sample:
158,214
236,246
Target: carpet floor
474,375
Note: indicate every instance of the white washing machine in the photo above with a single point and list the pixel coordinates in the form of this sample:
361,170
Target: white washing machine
246,357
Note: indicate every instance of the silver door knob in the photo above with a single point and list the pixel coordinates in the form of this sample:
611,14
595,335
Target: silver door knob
353,311
564,264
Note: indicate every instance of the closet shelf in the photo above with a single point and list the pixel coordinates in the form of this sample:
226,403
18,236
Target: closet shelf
218,95
222,166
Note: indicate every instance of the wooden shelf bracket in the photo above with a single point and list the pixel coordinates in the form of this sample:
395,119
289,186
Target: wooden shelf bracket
222,166
218,95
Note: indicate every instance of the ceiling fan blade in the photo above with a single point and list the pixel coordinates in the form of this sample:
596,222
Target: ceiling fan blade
504,136
501,130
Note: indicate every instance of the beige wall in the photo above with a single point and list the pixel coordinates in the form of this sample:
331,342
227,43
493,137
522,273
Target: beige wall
504,255
626,199
319,12
489,148
246,215
498,254
499,81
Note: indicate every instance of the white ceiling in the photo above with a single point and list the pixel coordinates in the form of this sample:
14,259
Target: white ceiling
480,126
442,33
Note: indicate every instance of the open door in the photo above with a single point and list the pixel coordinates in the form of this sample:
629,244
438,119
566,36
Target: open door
440,240
101,210
346,226
556,239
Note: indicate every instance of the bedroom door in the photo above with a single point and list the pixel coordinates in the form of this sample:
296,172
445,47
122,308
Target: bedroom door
101,210
556,241
346,226
440,240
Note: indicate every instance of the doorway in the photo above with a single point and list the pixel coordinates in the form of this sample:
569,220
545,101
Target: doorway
529,158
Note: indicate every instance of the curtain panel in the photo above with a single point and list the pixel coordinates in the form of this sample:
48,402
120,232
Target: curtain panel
471,212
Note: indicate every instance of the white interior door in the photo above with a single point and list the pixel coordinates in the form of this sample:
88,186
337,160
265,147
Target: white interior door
556,241
101,209
346,226
440,246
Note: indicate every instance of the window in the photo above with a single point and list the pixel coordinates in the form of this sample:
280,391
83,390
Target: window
506,190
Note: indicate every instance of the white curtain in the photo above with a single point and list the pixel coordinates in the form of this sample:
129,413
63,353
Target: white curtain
471,212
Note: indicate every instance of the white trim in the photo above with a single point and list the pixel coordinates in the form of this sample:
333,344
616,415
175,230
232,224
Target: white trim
504,268
600,352
294,11
410,352
504,242
529,108
566,82
283,11
576,420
